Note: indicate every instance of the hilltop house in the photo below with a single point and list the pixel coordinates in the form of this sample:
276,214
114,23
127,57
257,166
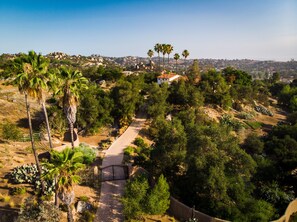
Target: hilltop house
168,78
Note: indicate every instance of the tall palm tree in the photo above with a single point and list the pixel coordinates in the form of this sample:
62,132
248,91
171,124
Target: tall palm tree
39,79
70,84
158,49
185,54
21,78
164,52
176,57
150,54
64,167
169,50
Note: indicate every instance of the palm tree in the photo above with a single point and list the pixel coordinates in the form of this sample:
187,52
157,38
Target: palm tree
150,54
169,50
164,52
71,83
158,49
185,54
176,57
64,167
23,70
39,79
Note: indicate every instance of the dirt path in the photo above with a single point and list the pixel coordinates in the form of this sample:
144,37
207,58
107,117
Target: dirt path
110,208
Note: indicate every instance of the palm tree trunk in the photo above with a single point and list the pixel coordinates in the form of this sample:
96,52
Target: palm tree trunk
71,134
159,61
69,214
168,59
176,66
56,193
47,126
32,142
163,61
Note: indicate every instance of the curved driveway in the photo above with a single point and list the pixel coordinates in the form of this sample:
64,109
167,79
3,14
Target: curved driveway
110,208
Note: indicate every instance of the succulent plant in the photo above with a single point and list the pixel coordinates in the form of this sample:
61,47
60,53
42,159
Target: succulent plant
28,173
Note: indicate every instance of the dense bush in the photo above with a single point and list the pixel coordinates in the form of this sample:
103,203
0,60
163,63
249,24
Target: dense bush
36,212
129,150
229,121
89,154
10,131
139,199
18,190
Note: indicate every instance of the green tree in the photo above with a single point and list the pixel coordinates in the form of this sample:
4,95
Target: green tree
193,73
275,77
215,89
218,171
185,94
135,197
63,168
126,96
94,110
176,57
69,87
157,96
158,198
253,145
169,152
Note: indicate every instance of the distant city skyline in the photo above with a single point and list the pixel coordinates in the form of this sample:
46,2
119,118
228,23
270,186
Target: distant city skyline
217,29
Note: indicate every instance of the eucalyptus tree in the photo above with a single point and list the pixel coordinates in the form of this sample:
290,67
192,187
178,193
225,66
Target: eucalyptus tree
176,57
158,49
64,167
70,83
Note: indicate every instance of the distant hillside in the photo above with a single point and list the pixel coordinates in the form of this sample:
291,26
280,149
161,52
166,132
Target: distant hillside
256,68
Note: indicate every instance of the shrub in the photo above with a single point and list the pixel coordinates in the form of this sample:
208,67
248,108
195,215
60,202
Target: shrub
10,131
84,198
11,204
4,198
89,154
139,142
254,125
244,115
35,212
18,190
129,150
29,174
87,216
227,120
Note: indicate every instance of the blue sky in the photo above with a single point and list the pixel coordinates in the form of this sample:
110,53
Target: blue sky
253,29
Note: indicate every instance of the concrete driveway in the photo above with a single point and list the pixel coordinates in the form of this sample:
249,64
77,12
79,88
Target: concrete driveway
110,208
